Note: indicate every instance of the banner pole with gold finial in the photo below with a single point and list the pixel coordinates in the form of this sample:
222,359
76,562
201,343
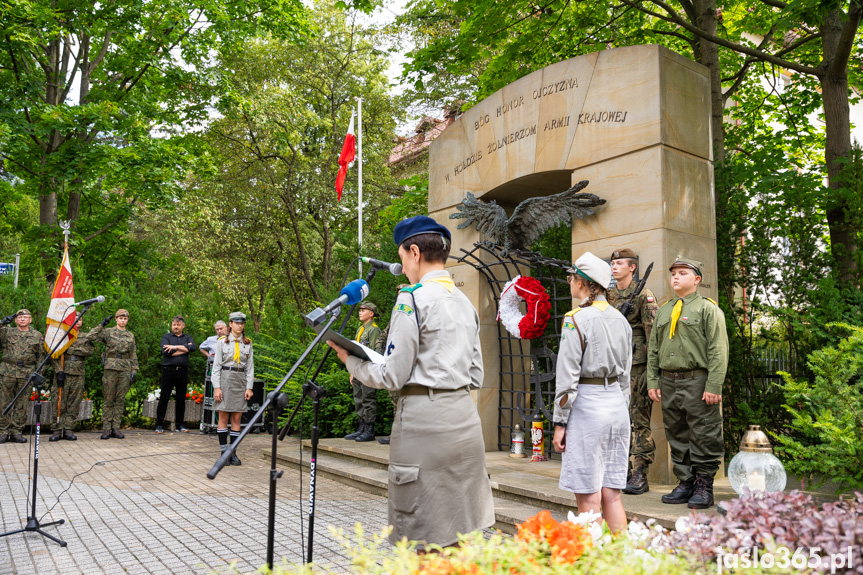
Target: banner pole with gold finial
65,225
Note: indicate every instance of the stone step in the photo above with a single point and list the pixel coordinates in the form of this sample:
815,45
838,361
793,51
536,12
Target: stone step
372,479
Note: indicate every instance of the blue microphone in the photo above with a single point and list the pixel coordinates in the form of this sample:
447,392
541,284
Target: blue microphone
352,294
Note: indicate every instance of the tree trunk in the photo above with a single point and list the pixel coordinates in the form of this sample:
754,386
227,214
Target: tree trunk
834,94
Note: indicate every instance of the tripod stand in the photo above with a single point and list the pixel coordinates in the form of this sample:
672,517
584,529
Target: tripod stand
37,378
279,401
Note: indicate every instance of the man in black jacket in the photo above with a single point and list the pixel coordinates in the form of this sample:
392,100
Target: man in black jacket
175,373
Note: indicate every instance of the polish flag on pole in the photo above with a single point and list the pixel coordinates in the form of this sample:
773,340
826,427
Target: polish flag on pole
346,158
61,314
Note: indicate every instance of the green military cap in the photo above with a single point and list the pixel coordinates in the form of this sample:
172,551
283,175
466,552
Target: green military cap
237,316
623,253
681,261
121,313
371,307
24,311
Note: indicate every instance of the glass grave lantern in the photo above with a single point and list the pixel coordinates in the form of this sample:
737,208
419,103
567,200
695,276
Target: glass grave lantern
755,466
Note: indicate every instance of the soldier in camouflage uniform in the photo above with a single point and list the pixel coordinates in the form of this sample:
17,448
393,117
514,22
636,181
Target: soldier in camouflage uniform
121,367
644,307
366,398
23,349
393,393
71,365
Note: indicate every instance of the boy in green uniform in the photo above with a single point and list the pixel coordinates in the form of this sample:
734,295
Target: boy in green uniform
624,262
23,349
686,364
366,398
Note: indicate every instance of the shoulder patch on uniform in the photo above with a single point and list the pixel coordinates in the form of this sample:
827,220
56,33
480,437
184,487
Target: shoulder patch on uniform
404,308
410,289
568,323
650,299
711,301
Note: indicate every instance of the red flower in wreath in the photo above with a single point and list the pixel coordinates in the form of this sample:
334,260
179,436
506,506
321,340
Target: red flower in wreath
532,324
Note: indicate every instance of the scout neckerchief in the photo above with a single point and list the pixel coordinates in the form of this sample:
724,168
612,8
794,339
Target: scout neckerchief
362,329
675,315
445,282
237,351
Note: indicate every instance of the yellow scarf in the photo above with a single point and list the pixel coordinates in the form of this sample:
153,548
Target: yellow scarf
237,351
360,333
445,282
675,315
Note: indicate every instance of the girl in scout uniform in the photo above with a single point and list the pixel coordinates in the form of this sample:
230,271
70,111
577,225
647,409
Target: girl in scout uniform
591,403
233,380
438,486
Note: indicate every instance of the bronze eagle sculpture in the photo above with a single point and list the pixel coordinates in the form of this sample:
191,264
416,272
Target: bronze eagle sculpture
530,219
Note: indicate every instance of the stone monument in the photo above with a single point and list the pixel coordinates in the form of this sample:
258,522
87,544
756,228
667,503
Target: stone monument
634,121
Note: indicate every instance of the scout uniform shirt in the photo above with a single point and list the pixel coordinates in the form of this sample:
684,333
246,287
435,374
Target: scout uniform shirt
434,356
699,341
22,351
644,308
369,334
76,354
606,354
120,349
233,353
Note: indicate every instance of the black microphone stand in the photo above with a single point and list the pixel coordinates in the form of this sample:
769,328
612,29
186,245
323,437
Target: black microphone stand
32,522
316,392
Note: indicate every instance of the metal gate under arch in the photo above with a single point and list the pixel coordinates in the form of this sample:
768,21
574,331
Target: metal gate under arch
527,367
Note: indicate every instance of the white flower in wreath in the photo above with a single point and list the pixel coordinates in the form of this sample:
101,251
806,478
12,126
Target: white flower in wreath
508,310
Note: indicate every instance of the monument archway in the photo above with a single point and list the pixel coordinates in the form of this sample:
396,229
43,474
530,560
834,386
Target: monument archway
633,121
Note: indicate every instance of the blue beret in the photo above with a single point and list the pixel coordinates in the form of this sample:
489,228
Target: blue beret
418,225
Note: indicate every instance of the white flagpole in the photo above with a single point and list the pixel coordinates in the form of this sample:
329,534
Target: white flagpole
360,175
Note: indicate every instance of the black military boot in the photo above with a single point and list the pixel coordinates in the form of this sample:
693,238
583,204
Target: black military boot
702,498
637,483
56,436
67,434
368,433
117,433
681,493
361,428
106,434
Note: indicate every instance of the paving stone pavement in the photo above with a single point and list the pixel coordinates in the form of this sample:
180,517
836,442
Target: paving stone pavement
149,508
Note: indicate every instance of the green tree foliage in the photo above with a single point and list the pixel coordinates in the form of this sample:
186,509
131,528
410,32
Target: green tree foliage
92,96
827,415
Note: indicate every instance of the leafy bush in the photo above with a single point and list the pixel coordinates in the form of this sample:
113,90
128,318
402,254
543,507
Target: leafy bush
827,415
777,523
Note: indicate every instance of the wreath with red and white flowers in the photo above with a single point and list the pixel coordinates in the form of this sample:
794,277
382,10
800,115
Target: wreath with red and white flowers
532,324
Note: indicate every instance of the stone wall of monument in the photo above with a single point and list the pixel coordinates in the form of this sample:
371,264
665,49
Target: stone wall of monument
634,121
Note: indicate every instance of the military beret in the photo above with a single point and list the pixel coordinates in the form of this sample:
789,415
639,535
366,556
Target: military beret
624,253
121,312
371,307
681,261
419,225
24,311
592,268
237,316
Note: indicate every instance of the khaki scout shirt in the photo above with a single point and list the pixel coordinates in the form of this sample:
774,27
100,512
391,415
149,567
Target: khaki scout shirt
22,351
607,352
644,308
433,341
369,334
121,353
83,346
700,342
224,353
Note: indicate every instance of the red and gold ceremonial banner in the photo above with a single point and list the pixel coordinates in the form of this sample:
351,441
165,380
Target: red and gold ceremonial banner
61,314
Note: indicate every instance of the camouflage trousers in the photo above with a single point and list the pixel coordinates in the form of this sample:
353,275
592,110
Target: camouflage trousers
70,404
365,401
14,422
641,445
115,386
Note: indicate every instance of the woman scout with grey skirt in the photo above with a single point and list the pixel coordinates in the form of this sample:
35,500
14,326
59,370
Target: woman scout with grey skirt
591,401
233,380
438,486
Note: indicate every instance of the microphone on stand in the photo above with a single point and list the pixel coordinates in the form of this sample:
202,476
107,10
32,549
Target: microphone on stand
351,294
395,269
91,301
